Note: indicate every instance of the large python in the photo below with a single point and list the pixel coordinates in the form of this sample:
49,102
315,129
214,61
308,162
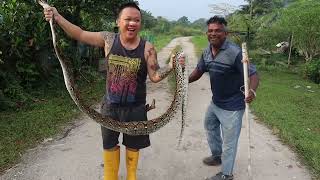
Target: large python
184,102
131,128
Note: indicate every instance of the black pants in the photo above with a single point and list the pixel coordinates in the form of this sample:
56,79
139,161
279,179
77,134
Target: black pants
124,114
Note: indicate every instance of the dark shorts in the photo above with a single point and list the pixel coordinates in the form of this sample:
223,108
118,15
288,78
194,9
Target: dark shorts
126,114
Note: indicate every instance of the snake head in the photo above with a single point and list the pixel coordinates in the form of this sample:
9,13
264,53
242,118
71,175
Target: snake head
176,55
43,3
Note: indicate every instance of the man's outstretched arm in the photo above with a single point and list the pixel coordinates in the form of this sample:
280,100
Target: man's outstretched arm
195,75
75,32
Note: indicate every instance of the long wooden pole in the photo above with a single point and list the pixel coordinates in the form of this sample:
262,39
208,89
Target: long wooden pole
245,62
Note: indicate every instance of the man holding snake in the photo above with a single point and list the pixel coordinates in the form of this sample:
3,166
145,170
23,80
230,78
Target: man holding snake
129,60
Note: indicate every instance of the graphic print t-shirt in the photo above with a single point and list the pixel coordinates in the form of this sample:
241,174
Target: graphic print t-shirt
126,77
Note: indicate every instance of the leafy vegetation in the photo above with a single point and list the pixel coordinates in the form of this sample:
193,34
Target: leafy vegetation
312,71
199,42
270,22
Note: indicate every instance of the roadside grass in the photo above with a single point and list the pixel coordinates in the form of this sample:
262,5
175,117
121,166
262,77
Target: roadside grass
291,110
162,40
289,105
200,42
24,128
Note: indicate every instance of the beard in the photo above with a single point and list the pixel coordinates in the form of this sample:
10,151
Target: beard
216,43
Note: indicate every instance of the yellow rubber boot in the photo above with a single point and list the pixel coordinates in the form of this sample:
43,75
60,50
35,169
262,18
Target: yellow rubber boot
111,164
132,158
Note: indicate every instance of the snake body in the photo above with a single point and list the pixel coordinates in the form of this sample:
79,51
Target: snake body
131,128
184,102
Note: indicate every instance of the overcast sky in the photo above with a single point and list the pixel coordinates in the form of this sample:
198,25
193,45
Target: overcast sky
174,9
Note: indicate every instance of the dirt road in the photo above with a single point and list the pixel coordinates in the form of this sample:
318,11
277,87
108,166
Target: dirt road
79,155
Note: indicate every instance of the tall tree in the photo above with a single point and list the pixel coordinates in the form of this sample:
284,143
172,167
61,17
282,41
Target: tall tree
148,21
304,25
199,23
183,21
163,25
261,7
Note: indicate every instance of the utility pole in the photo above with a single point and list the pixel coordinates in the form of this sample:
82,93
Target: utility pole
290,50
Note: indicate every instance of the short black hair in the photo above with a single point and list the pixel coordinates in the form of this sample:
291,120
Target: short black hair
131,4
217,19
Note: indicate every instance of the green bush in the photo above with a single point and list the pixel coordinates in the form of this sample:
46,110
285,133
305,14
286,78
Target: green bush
147,35
312,70
12,94
264,60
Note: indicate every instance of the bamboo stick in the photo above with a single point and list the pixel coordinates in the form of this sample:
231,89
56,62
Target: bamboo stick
245,62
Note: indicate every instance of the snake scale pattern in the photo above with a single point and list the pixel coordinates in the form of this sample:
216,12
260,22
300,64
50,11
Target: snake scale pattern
184,102
131,128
